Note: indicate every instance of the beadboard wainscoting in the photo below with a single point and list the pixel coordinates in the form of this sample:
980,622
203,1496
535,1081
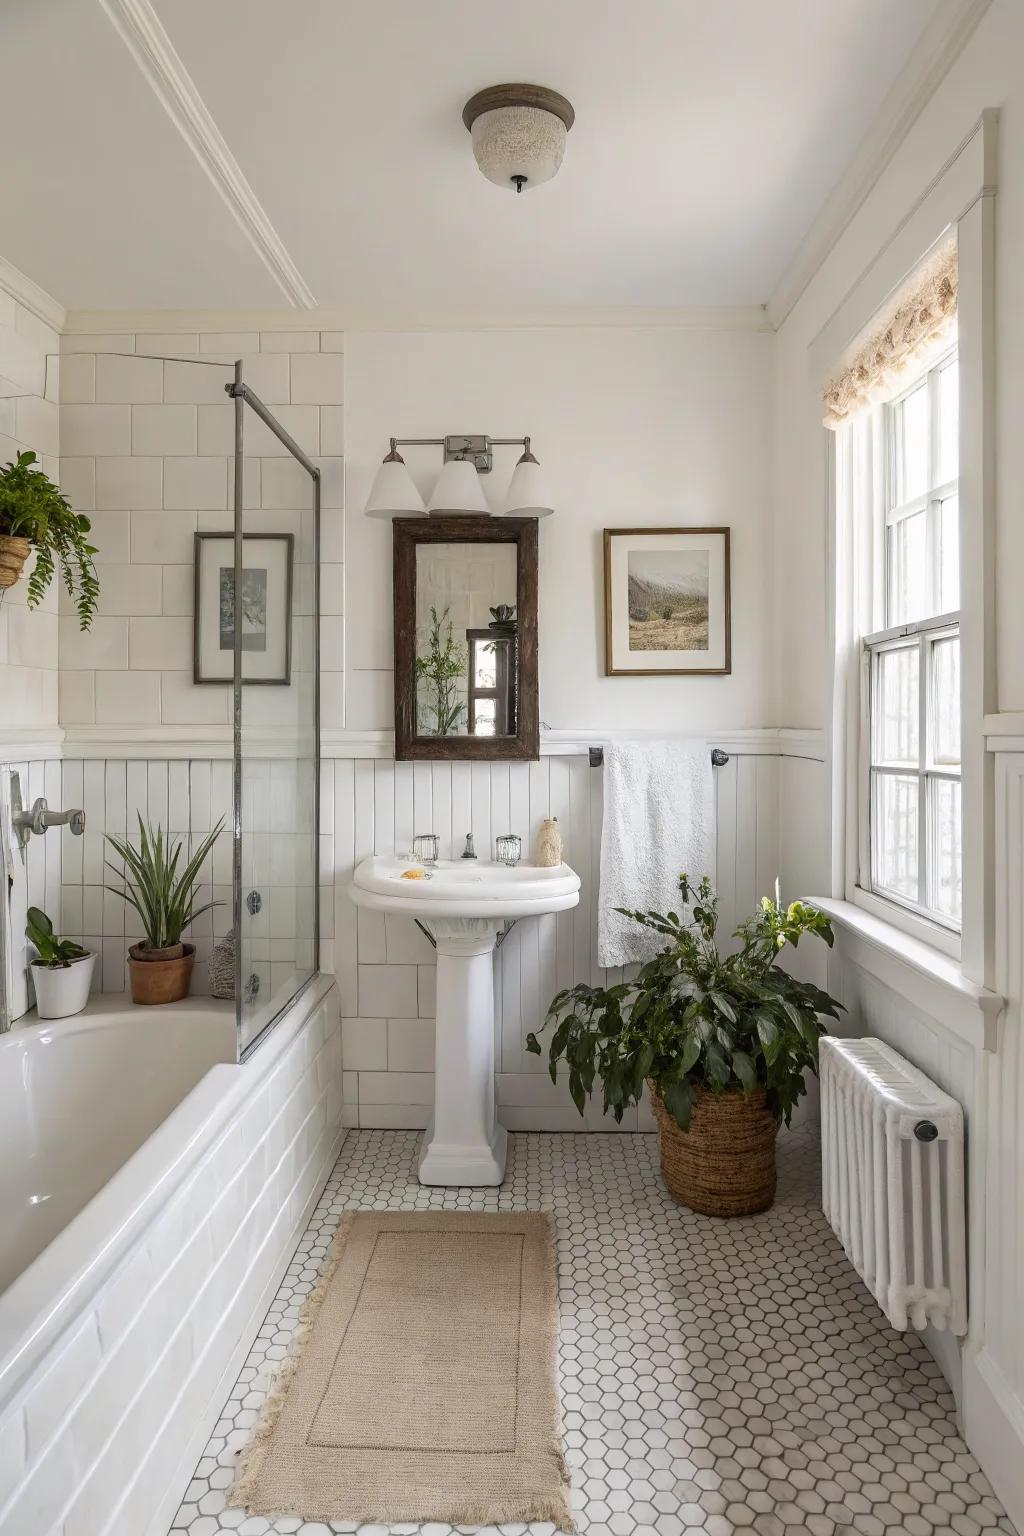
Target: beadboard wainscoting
66,875
385,966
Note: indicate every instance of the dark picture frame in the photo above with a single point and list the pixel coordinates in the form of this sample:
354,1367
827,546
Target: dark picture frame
718,604
408,534
205,643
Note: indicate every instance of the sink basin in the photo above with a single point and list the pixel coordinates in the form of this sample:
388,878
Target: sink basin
462,905
465,888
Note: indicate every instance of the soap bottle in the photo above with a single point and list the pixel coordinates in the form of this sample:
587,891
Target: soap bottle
549,844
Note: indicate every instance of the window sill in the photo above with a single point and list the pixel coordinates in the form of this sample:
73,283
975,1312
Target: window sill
929,980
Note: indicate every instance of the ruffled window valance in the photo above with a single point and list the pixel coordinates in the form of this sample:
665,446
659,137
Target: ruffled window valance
922,318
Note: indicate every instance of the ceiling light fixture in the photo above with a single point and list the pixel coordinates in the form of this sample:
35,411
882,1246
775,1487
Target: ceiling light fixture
518,133
458,491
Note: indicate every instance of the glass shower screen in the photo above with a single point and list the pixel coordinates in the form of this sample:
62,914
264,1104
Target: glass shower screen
274,631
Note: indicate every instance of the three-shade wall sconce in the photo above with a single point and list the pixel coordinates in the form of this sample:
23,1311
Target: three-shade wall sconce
458,491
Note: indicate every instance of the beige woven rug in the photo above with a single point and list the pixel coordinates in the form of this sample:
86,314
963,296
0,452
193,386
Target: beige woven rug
423,1384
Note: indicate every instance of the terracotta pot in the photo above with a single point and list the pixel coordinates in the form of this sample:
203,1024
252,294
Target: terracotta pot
724,1165
160,975
13,554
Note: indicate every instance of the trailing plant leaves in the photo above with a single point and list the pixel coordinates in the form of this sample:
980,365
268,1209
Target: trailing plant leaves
32,508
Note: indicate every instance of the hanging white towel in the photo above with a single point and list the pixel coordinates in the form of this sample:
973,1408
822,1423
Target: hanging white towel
659,821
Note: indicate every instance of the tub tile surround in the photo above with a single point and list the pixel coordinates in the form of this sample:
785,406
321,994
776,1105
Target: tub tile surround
148,448
102,1432
725,1377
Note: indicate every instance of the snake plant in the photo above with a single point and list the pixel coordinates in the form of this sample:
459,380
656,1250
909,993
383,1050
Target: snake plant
163,898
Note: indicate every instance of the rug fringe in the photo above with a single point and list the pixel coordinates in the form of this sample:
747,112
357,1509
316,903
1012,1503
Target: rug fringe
251,1456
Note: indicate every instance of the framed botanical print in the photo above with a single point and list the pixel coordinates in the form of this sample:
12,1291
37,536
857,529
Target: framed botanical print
266,608
666,595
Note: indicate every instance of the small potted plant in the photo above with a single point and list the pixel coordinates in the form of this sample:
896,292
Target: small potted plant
35,516
61,971
161,965
439,674
724,1042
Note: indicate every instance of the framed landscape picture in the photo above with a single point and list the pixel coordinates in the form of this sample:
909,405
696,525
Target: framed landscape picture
266,608
666,595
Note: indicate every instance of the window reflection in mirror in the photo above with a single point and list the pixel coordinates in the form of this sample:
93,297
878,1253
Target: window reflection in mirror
466,660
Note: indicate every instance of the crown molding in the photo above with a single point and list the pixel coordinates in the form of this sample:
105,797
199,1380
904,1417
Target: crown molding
42,304
142,33
326,317
930,61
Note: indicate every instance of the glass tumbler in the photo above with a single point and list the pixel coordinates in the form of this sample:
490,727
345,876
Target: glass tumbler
508,849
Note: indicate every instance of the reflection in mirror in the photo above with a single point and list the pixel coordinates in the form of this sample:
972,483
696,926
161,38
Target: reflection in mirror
466,639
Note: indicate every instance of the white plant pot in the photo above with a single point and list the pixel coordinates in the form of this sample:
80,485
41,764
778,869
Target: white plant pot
63,990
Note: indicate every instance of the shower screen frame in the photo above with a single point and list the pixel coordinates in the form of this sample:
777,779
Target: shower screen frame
243,396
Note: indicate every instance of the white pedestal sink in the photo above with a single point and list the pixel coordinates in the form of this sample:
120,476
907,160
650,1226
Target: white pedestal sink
463,905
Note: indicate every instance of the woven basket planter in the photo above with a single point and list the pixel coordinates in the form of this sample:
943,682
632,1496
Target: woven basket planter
13,554
724,1165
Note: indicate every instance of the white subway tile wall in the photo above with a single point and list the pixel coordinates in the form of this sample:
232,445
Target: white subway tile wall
148,454
29,421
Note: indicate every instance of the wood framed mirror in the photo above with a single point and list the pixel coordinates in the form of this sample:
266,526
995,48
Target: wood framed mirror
466,638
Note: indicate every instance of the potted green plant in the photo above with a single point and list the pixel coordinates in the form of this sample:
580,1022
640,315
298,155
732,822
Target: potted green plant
35,516
439,673
61,970
724,1042
161,965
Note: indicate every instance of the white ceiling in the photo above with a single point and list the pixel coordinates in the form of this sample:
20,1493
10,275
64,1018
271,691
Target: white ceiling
707,138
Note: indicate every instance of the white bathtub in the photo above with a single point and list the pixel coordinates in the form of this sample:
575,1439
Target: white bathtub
133,1065
151,1192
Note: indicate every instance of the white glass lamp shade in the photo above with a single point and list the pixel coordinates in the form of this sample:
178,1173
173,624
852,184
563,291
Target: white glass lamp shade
458,492
529,494
393,493
518,146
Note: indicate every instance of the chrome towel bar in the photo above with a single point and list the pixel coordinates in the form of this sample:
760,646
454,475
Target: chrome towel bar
718,757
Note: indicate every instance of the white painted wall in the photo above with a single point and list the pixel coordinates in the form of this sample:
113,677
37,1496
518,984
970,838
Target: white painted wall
29,379
633,427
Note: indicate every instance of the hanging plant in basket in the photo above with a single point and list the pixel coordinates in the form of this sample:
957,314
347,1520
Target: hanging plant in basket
35,516
724,1041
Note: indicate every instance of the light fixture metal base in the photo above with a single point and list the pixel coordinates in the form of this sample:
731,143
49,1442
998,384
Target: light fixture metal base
477,449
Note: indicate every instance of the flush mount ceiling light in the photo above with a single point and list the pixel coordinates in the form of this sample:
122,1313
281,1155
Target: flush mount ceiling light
458,491
518,133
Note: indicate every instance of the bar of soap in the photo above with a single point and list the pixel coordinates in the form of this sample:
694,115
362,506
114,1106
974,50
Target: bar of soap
413,874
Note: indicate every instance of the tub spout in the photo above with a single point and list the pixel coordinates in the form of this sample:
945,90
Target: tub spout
40,818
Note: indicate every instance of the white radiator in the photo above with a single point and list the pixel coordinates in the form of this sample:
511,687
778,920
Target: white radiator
893,1181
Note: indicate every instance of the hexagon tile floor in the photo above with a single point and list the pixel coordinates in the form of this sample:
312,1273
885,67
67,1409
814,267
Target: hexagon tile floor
724,1377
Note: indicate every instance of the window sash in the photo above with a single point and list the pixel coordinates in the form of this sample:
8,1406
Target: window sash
925,770
931,497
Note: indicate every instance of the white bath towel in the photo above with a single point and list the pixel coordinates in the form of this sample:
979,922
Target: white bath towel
659,821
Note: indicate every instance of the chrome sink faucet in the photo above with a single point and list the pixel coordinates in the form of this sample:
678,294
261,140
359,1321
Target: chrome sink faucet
469,852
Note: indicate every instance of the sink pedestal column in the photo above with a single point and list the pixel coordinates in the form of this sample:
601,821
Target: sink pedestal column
464,1144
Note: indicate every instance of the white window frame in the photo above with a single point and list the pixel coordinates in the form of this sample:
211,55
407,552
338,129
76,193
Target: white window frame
960,201
912,916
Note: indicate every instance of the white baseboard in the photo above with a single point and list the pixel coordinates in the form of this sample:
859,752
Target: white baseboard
993,1425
